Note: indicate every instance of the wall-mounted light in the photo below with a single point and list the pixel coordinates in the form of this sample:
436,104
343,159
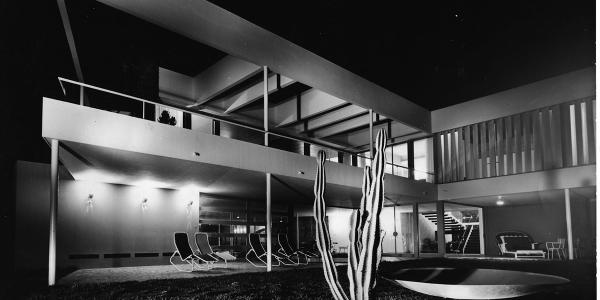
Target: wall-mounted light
500,202
300,172
90,199
145,204
89,203
191,203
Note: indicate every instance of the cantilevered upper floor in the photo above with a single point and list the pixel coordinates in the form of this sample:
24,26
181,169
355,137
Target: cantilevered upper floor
110,147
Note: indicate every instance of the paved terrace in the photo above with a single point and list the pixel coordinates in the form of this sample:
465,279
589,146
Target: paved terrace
143,273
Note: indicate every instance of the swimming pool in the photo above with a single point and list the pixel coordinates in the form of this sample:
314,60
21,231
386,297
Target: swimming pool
474,283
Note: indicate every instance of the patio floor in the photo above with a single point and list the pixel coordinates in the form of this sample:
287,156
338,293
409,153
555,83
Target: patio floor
143,273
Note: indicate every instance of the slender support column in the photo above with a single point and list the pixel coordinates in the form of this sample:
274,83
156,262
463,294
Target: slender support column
266,128
416,246
81,97
441,236
297,230
268,226
247,222
371,133
266,104
53,207
481,231
410,147
569,225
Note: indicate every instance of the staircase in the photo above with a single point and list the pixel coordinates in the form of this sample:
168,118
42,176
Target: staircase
451,224
466,236
471,242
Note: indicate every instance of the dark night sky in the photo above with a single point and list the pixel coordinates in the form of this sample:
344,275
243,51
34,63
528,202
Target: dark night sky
437,53
434,54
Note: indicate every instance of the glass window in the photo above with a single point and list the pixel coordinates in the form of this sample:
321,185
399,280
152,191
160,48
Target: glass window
397,222
400,159
423,150
428,228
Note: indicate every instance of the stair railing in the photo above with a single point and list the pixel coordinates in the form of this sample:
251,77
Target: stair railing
467,240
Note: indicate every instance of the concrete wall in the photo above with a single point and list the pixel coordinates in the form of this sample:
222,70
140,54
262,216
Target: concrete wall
543,222
114,222
555,90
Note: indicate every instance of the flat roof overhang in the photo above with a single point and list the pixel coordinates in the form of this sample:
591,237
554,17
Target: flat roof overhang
109,147
207,23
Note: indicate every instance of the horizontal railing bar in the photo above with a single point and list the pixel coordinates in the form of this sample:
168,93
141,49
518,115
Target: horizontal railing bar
201,114
212,117
60,79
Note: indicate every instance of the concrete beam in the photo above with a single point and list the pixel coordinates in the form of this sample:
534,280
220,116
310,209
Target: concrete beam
312,102
209,24
226,72
255,93
557,179
181,89
548,92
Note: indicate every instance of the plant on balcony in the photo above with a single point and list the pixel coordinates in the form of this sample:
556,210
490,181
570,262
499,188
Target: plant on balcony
366,235
166,118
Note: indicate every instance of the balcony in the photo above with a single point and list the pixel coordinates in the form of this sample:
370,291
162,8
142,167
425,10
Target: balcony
128,146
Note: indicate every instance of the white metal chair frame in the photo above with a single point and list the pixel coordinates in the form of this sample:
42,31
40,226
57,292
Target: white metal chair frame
260,256
191,259
225,255
296,253
283,258
559,247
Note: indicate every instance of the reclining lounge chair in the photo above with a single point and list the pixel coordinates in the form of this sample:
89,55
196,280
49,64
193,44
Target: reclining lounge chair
288,251
204,247
187,255
281,255
257,248
518,245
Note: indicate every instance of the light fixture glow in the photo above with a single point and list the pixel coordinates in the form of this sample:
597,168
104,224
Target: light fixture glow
500,201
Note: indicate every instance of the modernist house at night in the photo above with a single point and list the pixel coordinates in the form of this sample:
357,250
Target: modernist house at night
185,117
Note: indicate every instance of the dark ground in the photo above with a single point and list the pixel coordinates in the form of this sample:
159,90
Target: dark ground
310,284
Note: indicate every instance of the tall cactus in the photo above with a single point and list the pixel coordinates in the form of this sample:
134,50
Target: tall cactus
323,239
366,235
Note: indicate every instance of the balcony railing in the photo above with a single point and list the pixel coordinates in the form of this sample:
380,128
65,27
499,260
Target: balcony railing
105,99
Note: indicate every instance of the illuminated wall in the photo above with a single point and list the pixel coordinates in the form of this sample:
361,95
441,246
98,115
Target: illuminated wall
114,223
